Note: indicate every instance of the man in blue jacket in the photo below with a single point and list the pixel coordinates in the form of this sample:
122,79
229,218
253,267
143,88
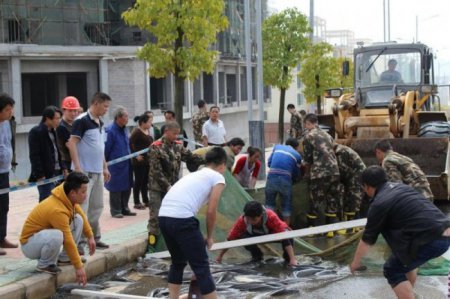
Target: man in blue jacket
116,146
284,163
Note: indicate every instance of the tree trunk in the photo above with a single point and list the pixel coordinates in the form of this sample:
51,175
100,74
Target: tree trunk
319,104
281,116
179,84
179,98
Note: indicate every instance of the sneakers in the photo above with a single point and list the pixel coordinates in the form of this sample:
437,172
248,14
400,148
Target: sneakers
52,269
101,245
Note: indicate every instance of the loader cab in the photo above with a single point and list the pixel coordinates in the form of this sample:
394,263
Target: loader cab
383,71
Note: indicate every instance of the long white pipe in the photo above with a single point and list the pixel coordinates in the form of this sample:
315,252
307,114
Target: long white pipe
277,237
99,294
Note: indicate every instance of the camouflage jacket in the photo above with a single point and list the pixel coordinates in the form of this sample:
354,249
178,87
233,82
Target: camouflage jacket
350,163
198,119
296,125
319,154
402,169
165,161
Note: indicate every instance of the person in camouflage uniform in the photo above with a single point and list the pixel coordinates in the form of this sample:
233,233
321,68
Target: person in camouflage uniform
402,169
165,156
321,163
350,168
296,130
198,119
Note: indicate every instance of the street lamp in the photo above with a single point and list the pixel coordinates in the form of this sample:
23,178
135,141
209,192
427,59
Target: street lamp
424,19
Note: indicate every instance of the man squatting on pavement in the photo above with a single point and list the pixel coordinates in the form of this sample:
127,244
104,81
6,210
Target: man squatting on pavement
180,228
59,220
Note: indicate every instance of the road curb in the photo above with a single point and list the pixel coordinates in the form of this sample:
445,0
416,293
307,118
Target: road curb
42,285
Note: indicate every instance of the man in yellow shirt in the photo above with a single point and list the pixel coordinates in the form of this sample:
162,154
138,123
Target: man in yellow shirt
59,220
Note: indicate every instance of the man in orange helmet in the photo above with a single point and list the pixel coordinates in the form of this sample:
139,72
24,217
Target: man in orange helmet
71,109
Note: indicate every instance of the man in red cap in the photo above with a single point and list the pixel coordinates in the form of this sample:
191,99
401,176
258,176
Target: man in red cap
71,109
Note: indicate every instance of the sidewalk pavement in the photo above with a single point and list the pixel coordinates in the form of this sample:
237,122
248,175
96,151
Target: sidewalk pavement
14,266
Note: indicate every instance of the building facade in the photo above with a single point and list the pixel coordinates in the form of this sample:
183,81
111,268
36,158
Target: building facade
50,49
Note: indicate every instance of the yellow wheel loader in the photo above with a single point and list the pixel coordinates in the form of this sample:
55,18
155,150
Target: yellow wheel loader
395,98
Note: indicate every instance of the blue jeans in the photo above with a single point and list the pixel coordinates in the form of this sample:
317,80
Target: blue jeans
185,243
279,185
395,271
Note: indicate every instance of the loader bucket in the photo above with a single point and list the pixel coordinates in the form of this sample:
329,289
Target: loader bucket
431,154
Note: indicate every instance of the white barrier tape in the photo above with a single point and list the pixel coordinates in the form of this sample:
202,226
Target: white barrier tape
60,177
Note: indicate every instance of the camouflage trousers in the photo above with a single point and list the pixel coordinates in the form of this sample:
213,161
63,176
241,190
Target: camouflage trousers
352,196
425,191
326,190
154,203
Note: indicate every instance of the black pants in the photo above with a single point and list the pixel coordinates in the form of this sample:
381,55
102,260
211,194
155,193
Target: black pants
140,183
118,202
257,253
4,205
186,244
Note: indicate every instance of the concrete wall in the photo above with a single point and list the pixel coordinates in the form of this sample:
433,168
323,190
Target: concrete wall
127,85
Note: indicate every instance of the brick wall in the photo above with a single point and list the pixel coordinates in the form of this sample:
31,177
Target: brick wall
271,133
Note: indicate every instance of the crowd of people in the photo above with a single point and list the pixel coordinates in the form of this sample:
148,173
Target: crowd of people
78,146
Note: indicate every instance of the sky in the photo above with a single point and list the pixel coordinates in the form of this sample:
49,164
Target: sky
365,18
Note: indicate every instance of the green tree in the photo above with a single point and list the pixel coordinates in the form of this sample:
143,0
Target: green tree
285,40
319,71
183,31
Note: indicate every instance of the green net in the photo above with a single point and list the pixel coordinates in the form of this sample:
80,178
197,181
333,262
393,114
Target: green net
339,249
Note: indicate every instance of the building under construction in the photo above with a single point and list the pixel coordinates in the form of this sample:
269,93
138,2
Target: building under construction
53,48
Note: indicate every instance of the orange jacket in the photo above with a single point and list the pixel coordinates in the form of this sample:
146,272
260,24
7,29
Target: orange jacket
57,212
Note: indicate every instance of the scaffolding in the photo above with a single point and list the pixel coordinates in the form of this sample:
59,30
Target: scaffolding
61,22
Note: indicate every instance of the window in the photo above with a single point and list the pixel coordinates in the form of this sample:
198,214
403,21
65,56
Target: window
158,93
15,31
43,89
300,99
208,88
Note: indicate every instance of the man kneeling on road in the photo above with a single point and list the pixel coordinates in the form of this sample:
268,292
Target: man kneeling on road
59,220
258,221
415,229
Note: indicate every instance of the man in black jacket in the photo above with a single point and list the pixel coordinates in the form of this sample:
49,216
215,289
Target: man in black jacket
414,228
45,156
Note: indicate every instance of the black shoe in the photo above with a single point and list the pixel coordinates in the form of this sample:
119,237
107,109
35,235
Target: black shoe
101,245
52,269
129,213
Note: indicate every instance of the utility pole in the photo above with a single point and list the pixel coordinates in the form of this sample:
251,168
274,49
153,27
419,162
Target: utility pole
387,20
311,19
248,61
257,138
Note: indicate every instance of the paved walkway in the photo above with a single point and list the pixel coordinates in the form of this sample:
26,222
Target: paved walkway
14,266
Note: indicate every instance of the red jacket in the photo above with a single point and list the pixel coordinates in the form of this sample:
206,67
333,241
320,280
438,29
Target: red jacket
271,225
